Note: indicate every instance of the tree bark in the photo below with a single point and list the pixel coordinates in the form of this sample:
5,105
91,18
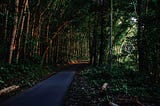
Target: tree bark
90,42
102,38
6,25
95,41
27,32
139,36
14,31
21,31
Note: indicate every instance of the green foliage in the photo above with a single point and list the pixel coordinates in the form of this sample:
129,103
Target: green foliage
1,81
122,82
22,75
36,59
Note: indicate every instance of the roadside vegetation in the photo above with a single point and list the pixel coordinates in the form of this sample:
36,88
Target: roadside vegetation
125,87
17,78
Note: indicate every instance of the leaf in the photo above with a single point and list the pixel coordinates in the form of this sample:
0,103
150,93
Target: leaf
1,81
1,68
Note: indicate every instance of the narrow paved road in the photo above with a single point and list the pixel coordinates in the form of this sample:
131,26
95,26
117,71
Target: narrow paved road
50,92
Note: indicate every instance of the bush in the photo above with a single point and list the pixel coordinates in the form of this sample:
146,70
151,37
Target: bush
22,75
122,82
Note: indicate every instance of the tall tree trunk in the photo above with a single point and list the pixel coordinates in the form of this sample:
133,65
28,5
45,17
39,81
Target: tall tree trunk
39,30
102,37
32,33
111,34
6,25
139,36
50,41
21,31
14,31
95,41
158,42
27,32
47,39
90,42
22,14
156,55
34,30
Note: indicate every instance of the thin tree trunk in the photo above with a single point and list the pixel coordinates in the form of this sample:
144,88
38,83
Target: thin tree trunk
157,46
27,32
57,50
6,25
53,37
22,14
48,54
21,31
39,28
70,42
147,6
90,42
95,41
41,18
14,31
32,33
139,34
111,34
102,39
158,42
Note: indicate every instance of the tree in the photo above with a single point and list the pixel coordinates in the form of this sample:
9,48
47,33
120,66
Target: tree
14,32
102,35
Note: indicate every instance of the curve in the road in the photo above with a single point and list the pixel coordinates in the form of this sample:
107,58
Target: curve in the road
49,92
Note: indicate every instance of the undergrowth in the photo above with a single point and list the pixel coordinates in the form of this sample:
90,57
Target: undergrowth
22,75
123,82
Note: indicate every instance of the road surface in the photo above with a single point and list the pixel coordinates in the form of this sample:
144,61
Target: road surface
50,92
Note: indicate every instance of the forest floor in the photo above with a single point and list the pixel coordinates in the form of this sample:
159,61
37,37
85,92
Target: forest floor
81,93
84,93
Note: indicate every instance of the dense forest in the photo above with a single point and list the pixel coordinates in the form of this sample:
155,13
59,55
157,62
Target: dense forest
108,34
